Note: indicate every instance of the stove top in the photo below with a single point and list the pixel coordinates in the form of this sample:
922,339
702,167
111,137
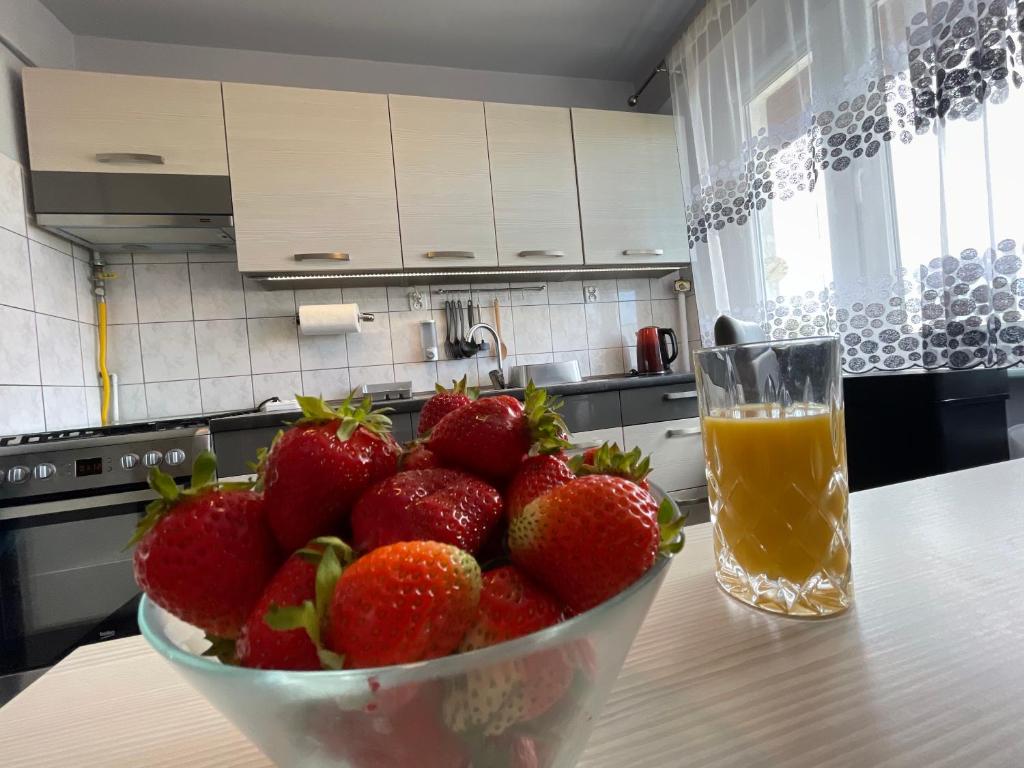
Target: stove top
112,430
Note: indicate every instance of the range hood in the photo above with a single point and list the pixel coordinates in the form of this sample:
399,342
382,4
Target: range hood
117,212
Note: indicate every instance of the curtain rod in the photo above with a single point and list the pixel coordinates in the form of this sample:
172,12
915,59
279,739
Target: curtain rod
635,98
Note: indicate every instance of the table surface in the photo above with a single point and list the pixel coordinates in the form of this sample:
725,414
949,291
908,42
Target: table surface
926,670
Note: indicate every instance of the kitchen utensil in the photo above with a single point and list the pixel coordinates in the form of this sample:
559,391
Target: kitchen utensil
652,355
482,345
449,321
376,717
503,351
466,347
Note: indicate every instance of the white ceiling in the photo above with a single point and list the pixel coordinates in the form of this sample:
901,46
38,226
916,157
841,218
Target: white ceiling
603,39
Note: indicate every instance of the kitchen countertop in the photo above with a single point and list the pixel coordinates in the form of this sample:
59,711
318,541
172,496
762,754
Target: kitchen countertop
924,671
589,385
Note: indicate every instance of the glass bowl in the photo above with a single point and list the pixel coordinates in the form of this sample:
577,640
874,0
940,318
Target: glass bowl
526,703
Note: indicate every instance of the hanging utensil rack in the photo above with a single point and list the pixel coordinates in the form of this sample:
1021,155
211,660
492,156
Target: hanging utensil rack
530,288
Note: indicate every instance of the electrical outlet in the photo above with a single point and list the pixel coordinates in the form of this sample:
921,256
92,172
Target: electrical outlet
590,293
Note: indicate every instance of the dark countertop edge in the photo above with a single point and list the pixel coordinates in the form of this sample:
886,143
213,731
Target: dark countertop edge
588,386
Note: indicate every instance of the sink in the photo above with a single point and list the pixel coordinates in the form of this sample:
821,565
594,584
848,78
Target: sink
545,374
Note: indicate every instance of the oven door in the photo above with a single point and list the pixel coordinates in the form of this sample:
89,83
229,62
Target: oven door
65,579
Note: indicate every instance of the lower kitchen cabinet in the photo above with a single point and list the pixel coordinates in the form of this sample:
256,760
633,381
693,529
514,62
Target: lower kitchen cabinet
676,451
594,437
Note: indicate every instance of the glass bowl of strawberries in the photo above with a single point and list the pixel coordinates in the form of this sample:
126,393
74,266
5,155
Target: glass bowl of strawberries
466,600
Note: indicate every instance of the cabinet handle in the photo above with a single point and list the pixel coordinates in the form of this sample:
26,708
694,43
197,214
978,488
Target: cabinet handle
535,254
644,252
688,501
450,255
680,395
683,432
129,158
335,256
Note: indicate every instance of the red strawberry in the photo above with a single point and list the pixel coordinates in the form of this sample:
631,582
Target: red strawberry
429,505
491,436
511,606
204,553
402,603
591,538
315,471
418,456
536,476
609,459
259,644
444,402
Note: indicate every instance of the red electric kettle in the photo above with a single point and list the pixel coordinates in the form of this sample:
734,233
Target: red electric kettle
652,355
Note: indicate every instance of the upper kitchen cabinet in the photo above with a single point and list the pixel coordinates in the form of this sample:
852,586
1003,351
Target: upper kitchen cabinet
312,179
444,182
103,123
533,177
630,188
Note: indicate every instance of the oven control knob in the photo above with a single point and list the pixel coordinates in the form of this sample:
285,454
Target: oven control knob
129,461
152,458
44,471
175,457
17,475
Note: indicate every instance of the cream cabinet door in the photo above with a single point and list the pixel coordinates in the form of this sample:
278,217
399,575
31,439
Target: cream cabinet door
631,193
103,123
533,179
595,437
676,450
312,179
444,182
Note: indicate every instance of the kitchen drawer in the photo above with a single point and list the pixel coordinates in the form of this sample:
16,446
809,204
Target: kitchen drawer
594,437
650,404
676,451
596,410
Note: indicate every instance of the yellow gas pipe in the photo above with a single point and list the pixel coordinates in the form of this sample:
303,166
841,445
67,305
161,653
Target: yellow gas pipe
101,319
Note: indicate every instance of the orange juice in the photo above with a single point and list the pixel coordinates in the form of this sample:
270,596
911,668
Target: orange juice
778,491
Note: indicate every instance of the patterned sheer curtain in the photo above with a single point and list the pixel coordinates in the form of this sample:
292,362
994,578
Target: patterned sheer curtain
855,167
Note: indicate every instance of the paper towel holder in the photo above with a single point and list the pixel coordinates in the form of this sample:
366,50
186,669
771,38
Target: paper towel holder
366,317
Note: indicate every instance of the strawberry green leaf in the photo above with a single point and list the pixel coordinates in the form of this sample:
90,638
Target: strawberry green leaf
164,485
609,459
154,511
547,428
314,409
670,522
327,575
330,659
222,648
204,470
291,617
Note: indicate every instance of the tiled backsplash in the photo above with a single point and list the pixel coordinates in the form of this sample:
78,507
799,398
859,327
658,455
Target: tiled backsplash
189,334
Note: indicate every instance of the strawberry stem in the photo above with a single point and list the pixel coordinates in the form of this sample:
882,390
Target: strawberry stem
609,459
670,522
316,411
547,428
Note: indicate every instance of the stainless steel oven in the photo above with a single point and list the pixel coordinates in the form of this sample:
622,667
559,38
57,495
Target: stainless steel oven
68,505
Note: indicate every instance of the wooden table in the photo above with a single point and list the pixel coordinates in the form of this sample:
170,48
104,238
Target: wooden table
927,670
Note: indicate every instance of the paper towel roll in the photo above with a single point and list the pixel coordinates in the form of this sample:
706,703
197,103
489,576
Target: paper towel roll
329,319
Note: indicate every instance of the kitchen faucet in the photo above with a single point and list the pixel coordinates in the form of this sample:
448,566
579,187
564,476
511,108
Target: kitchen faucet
497,376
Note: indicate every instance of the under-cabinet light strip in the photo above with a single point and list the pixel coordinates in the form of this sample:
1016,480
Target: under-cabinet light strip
465,273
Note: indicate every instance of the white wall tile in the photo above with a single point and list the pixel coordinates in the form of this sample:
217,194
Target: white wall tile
406,346
535,359
81,253
87,337
373,345
222,347
84,291
12,196
160,258
116,258
60,351
485,298
21,409
665,314
93,406
124,353
273,344
46,237
330,384
635,289
53,281
162,292
532,329
371,299
206,257
132,402
259,302
168,351
422,375
565,292
120,288
216,291
19,350
398,297
453,370
318,296
65,407
15,272
568,327
605,361
664,287
633,315
282,385
603,326
173,398
581,356
370,374
527,298
316,352
231,393
607,290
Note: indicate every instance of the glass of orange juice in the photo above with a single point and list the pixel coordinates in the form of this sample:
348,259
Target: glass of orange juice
775,445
